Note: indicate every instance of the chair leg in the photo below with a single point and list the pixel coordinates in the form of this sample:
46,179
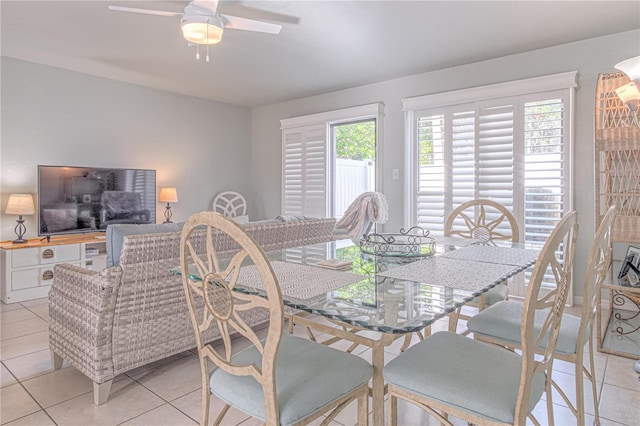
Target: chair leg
579,372
363,408
204,412
101,392
592,378
393,410
56,361
549,390
453,320
206,393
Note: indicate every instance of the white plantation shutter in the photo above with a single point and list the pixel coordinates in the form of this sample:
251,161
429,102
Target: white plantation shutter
430,177
464,165
497,177
304,171
546,188
513,149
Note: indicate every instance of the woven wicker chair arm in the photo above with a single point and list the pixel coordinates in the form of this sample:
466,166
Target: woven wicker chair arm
86,286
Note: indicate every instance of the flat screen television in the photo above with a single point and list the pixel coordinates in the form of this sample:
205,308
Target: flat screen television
88,199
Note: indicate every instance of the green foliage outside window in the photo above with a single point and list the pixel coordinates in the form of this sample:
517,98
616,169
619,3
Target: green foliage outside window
356,141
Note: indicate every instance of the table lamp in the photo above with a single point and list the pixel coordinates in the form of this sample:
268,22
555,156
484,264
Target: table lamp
168,195
20,204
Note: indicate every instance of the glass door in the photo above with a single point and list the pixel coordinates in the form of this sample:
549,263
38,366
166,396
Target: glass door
353,162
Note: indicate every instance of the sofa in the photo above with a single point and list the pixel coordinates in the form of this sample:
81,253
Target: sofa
132,313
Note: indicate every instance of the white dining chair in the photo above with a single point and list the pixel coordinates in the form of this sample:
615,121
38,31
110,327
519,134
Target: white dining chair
451,374
230,204
488,221
500,324
280,380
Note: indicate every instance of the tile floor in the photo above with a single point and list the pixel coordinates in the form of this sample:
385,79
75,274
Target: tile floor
168,392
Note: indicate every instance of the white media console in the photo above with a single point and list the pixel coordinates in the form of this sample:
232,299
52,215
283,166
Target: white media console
27,269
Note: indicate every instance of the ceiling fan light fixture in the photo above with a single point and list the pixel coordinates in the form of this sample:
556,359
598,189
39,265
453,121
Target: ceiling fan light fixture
202,29
631,67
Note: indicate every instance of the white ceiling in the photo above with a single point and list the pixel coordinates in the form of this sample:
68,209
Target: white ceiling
324,45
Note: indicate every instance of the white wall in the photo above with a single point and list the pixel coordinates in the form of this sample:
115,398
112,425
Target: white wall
58,117
588,57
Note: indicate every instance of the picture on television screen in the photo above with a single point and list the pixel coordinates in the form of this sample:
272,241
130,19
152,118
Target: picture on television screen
88,199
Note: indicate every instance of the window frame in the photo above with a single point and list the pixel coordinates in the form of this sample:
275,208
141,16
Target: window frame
374,111
527,88
518,94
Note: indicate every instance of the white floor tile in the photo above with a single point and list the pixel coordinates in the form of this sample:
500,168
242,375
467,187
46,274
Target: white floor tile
6,378
127,400
165,415
15,403
39,418
620,405
14,315
620,373
41,311
58,386
35,302
32,365
22,328
174,379
24,345
190,405
9,307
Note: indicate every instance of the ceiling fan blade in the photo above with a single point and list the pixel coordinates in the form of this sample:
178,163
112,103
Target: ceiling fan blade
238,8
237,23
144,11
210,5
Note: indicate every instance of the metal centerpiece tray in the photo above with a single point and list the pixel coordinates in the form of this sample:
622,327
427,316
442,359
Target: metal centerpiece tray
414,242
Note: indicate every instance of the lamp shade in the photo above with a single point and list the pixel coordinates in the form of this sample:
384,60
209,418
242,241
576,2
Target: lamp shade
168,195
628,93
631,67
20,204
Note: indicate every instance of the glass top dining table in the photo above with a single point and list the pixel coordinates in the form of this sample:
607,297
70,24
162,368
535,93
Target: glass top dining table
393,293
397,294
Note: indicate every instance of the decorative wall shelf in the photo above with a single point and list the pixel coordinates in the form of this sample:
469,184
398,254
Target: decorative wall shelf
617,159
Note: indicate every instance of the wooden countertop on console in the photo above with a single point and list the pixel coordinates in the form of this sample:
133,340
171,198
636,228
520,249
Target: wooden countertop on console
95,237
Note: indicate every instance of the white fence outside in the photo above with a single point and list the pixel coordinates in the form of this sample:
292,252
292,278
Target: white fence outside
352,178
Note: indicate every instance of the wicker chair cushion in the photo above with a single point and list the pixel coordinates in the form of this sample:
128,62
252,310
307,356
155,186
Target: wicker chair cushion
503,319
464,373
308,377
117,232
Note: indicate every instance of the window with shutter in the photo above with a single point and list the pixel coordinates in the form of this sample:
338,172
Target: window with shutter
510,143
307,157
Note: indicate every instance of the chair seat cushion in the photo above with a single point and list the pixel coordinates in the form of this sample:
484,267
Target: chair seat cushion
463,373
308,377
495,295
503,320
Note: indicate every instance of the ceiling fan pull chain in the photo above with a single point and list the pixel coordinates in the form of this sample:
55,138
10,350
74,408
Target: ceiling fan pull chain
207,40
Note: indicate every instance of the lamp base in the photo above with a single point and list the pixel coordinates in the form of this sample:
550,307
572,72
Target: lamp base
20,230
168,214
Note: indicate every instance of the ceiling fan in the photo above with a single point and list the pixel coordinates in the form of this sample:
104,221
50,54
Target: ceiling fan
201,23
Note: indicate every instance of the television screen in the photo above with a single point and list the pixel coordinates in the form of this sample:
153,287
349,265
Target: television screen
88,199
